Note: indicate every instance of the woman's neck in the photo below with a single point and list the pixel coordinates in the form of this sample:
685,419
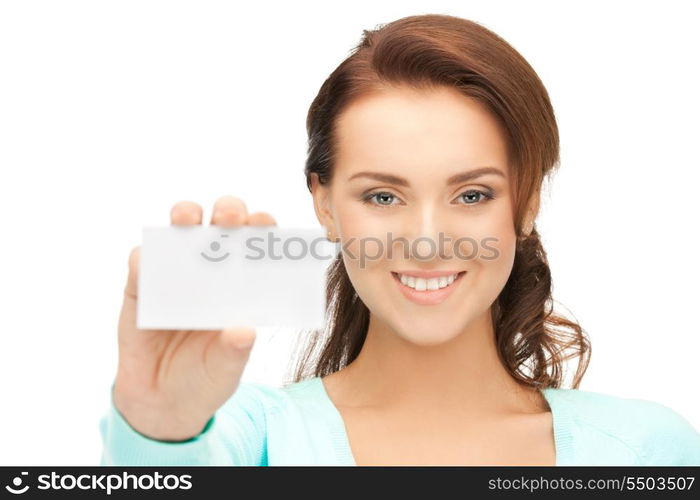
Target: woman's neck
463,374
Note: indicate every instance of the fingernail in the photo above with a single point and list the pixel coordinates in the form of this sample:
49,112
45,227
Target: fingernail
240,343
243,343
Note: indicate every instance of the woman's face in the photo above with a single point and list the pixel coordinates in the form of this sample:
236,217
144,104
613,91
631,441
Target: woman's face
406,187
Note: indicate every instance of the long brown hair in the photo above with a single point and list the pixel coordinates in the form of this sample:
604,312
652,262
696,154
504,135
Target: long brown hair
431,50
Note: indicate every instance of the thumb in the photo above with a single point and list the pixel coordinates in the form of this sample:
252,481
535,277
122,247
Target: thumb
131,288
239,338
228,353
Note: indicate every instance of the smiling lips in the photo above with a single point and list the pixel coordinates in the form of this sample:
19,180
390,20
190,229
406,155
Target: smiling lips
427,288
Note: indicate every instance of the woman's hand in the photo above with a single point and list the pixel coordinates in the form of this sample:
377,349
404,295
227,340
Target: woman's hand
169,383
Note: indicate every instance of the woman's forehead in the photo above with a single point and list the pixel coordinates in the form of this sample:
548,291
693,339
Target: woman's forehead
402,130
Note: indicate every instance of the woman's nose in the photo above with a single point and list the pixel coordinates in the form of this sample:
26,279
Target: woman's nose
430,239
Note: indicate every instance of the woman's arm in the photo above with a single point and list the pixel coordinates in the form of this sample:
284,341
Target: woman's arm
235,435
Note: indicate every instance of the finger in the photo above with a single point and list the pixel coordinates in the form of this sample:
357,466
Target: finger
186,213
261,219
131,289
229,211
238,338
228,352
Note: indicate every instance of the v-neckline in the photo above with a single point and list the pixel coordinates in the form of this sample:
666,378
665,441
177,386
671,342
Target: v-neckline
560,421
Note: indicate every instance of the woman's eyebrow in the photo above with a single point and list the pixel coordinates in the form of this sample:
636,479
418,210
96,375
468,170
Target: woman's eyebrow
455,179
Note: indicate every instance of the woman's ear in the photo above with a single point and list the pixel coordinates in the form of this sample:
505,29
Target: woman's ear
533,209
321,194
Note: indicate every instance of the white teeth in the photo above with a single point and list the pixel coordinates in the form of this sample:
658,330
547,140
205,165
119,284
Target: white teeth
422,284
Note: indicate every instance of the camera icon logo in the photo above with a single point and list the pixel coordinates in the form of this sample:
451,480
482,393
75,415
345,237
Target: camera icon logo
16,488
215,246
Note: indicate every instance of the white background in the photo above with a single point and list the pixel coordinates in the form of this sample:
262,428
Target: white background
110,112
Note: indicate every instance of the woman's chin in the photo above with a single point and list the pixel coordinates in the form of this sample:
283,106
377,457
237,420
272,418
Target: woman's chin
429,336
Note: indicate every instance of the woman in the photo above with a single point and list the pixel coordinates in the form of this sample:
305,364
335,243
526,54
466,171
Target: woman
435,132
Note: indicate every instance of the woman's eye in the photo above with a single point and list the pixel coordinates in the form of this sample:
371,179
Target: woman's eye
381,199
474,196
384,199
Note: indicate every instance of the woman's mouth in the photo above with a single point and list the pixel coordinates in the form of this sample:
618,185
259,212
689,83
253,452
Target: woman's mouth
427,290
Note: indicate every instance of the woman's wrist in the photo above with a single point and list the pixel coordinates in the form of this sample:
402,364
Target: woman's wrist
158,422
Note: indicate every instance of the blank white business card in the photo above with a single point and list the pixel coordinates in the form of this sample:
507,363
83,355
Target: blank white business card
211,277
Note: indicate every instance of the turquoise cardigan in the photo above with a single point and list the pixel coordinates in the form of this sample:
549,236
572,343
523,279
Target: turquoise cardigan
298,424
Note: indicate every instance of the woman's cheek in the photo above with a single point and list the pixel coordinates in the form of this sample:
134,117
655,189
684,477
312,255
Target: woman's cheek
495,263
364,239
